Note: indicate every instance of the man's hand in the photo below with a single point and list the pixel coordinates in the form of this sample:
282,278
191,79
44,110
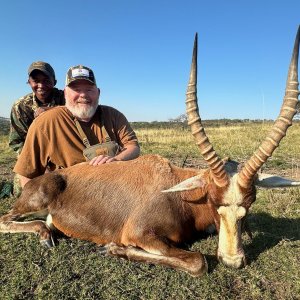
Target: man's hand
41,110
101,159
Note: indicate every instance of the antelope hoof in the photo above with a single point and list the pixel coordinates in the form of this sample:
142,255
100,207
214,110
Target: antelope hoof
114,249
47,243
103,250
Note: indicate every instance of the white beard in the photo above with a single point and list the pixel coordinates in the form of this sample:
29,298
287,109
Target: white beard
83,112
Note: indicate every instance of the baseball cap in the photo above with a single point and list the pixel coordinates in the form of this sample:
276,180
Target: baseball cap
43,67
80,72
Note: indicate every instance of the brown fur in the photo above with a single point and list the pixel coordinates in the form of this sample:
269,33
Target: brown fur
121,203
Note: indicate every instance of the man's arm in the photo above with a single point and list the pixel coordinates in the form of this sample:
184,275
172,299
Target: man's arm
126,138
18,130
130,151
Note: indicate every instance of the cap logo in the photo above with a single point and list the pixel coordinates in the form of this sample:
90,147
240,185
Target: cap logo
80,72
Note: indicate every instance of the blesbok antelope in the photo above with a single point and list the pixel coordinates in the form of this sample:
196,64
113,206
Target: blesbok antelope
142,209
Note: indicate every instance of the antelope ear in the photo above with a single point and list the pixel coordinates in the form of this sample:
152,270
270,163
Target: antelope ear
272,181
187,185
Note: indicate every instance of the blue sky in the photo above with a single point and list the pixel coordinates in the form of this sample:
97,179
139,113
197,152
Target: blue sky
140,52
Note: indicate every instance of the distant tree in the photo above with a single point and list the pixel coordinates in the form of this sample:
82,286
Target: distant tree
180,119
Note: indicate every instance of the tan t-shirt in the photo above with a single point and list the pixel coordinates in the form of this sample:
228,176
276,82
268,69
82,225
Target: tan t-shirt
54,139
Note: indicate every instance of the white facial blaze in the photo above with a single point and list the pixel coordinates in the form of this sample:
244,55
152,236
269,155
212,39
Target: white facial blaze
233,194
230,248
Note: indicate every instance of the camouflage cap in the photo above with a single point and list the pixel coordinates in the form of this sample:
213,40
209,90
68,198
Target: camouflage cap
43,67
80,72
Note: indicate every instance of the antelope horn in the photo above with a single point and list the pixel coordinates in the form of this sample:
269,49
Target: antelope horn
280,126
214,161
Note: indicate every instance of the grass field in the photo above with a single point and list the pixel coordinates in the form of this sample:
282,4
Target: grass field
75,270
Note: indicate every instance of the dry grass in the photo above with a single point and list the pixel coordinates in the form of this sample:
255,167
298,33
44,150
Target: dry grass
237,142
75,270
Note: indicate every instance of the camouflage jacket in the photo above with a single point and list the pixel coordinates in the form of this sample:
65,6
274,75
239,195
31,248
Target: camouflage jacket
22,115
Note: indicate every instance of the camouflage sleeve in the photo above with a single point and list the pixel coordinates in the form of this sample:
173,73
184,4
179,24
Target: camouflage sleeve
18,130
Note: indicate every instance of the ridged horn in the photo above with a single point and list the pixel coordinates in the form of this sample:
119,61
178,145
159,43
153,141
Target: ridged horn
194,120
280,126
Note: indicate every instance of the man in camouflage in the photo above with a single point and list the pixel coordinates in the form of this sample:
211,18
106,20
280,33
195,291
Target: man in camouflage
44,96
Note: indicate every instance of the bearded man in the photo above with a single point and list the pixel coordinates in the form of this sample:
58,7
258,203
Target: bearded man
79,131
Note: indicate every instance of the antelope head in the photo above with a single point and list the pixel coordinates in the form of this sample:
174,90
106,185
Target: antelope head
232,191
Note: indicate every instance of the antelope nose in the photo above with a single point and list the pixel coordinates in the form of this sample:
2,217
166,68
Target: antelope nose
234,261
